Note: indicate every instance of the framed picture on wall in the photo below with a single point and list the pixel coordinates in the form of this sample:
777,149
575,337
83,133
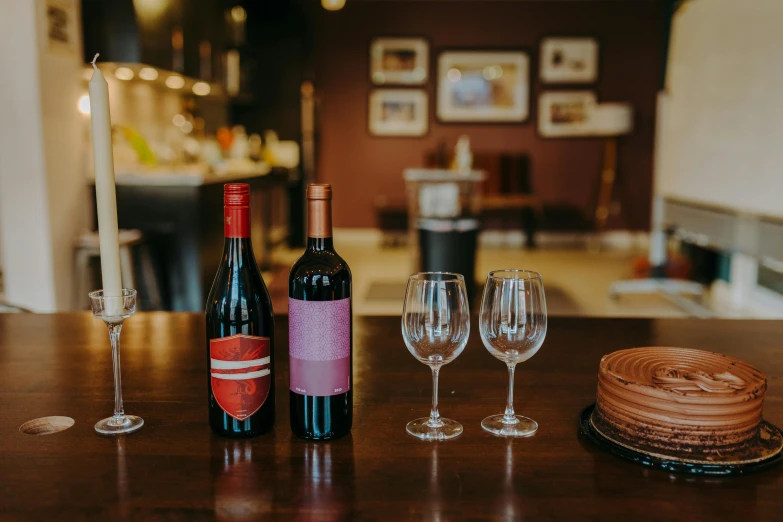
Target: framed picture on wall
398,112
566,113
61,26
569,60
483,86
401,61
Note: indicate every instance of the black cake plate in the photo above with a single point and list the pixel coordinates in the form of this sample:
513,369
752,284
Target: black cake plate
764,454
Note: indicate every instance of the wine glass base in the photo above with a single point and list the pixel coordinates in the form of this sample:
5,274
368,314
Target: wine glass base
498,425
109,426
421,429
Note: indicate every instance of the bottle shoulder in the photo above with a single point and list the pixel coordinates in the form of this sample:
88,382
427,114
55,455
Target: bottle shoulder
243,289
322,263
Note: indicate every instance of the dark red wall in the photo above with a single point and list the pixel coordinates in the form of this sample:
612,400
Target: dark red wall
565,171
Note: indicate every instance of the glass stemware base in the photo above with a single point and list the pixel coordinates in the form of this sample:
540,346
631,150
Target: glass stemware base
119,424
502,426
425,429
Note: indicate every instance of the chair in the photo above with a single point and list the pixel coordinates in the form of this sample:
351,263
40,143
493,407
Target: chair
392,218
508,194
88,247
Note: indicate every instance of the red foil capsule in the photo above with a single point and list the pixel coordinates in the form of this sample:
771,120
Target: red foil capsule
236,198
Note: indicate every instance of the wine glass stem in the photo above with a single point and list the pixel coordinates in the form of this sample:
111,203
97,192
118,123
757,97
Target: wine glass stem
509,417
114,336
435,421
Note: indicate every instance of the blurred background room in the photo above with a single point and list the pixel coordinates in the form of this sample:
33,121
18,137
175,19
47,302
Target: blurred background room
628,150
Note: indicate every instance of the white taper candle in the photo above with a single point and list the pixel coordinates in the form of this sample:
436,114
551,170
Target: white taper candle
105,193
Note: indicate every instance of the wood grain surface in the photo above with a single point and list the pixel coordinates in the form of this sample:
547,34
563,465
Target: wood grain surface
176,469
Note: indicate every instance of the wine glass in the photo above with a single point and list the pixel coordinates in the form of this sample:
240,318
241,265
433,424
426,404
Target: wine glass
113,311
512,323
435,327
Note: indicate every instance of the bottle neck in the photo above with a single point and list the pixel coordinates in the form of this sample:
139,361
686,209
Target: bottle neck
319,224
238,249
236,226
236,222
320,244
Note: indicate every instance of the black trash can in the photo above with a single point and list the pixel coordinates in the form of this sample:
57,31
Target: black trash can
449,245
444,208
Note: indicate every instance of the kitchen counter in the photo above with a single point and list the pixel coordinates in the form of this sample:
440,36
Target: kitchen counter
180,215
187,175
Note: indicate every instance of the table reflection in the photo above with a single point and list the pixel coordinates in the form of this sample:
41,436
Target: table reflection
510,505
242,487
606,468
123,489
326,484
435,502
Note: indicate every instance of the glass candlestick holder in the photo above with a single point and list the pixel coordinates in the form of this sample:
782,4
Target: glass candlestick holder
113,311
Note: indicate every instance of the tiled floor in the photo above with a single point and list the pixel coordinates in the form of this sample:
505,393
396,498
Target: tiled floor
576,281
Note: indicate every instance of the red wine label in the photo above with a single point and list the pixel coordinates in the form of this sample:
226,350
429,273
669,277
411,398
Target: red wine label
319,336
240,373
236,222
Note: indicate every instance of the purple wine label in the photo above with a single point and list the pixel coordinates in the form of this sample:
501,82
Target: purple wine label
319,346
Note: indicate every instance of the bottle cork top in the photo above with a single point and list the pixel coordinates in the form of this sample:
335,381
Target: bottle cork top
319,191
236,194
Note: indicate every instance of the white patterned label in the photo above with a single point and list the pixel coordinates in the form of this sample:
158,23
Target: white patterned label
319,335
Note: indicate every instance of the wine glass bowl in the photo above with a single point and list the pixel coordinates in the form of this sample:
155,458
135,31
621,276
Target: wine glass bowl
435,328
513,315
512,324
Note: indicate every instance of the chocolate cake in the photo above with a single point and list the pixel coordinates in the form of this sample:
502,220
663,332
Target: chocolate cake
679,400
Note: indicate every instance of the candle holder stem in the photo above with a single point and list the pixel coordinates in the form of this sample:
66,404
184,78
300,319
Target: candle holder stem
113,311
114,337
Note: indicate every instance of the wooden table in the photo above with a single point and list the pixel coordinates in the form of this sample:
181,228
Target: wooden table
174,468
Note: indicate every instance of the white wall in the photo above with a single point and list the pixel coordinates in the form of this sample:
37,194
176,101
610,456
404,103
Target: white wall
24,216
722,136
64,139
43,203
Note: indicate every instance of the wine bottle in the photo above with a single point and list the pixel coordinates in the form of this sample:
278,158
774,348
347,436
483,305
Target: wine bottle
240,331
319,329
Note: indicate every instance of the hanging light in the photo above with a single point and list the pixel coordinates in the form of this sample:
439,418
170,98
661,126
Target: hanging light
150,8
123,73
175,82
148,73
238,14
84,104
201,88
333,5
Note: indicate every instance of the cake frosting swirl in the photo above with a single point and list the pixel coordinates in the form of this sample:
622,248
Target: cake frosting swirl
679,400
